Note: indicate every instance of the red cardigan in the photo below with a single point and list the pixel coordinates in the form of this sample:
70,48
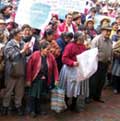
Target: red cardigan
70,52
34,65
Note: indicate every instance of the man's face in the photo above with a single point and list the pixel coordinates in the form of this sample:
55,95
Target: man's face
69,19
19,36
107,33
8,11
93,13
78,21
2,26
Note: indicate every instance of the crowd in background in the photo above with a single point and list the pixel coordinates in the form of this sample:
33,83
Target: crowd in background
33,61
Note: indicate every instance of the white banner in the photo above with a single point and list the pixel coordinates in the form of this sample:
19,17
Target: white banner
33,12
66,6
37,13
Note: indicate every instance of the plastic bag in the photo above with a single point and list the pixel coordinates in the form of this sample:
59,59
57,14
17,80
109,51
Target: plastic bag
88,63
57,100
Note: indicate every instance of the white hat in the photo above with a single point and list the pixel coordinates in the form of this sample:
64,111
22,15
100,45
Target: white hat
2,21
110,8
105,10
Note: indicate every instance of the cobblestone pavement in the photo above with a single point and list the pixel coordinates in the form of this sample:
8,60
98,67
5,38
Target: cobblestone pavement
109,111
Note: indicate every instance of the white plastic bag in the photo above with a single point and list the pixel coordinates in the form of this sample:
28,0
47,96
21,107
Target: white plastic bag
88,63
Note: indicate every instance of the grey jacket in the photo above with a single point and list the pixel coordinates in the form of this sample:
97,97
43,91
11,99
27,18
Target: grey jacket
104,48
12,54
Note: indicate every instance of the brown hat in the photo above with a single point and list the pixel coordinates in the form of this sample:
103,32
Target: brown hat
76,16
106,28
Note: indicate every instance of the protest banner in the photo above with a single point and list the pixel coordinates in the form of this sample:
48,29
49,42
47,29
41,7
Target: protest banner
37,13
66,6
54,5
33,12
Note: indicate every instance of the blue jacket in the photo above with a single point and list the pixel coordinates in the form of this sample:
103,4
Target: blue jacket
61,43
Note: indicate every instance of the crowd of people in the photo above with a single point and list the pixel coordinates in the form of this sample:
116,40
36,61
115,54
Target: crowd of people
33,61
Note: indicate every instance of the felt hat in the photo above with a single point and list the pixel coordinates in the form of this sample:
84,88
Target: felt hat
105,18
106,28
89,20
76,16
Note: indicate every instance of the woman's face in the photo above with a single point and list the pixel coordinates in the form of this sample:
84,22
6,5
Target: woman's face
90,25
27,32
49,38
54,19
105,23
80,40
118,21
115,27
118,33
46,51
67,39
54,27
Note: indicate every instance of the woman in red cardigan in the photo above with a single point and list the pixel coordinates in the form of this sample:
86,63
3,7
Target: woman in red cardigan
41,68
68,74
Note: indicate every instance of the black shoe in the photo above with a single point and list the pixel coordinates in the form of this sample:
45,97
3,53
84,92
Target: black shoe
88,100
43,113
73,108
4,111
0,111
76,110
99,100
20,111
33,114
